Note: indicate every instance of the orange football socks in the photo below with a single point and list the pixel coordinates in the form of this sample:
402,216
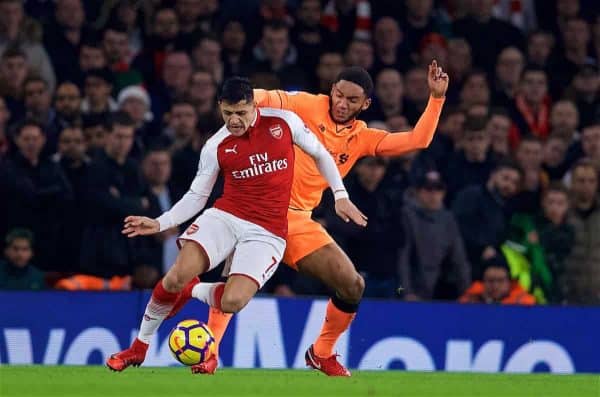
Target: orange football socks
336,322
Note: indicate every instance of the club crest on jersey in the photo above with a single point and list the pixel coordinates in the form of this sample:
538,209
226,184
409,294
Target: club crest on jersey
276,131
192,229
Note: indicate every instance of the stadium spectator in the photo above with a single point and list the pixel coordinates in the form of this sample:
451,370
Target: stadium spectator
433,262
498,129
531,106
113,189
389,51
473,163
539,48
67,104
497,286
417,22
162,38
63,36
156,168
235,52
38,107
182,125
564,120
483,213
39,193
74,163
16,269
555,150
94,132
545,239
381,203
17,30
329,67
196,17
98,85
581,276
433,46
389,90
13,72
275,55
584,92
128,14
443,145
360,53
118,54
135,101
460,63
509,67
576,39
310,38
203,95
530,156
174,83
475,91
417,94
91,57
206,56
486,34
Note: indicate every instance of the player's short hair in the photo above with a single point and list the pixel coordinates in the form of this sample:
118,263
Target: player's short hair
358,76
119,118
18,233
236,89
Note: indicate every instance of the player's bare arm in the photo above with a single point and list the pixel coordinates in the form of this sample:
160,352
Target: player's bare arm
420,137
140,226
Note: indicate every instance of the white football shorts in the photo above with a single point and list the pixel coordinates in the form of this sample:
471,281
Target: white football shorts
250,249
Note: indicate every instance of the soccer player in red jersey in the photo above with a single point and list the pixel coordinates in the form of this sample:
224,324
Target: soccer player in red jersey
310,249
254,152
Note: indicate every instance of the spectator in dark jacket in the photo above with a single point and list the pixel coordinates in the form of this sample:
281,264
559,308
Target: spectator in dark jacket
16,270
581,281
473,164
36,193
432,263
374,249
38,107
114,190
75,164
483,213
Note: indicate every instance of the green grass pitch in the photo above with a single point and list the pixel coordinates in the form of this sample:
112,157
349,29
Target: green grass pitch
169,382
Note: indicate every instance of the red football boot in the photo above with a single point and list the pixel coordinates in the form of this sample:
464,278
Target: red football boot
209,367
183,297
329,366
134,355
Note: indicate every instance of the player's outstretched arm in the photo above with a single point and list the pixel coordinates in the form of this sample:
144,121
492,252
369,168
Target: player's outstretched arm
420,137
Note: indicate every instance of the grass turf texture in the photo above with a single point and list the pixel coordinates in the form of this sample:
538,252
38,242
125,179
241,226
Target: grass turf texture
168,382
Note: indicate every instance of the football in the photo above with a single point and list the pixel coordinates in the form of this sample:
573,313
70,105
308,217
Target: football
192,342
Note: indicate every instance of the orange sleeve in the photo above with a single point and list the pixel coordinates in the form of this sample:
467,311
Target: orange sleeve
420,137
295,101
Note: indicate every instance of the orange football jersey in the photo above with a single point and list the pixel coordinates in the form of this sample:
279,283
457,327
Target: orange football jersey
347,143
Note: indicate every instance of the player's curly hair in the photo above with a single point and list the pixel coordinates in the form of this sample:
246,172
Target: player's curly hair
358,76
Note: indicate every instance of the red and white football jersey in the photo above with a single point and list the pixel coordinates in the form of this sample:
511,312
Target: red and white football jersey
258,169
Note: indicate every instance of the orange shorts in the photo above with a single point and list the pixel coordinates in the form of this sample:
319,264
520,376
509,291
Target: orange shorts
305,236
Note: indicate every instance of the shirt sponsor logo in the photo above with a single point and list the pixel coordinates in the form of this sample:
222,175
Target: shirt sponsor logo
260,164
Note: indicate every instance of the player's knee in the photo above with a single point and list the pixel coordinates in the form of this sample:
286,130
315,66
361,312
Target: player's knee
231,303
353,289
174,282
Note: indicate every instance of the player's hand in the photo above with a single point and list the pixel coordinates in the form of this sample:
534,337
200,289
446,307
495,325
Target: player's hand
140,226
348,212
437,80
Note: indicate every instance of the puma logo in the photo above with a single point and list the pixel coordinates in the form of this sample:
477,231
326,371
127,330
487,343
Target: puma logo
231,150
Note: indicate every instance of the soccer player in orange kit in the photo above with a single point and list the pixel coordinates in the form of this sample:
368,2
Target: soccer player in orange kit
310,249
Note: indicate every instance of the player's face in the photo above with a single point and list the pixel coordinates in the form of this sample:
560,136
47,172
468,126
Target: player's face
238,116
19,252
346,101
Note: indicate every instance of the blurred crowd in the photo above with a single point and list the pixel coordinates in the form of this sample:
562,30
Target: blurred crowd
105,106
